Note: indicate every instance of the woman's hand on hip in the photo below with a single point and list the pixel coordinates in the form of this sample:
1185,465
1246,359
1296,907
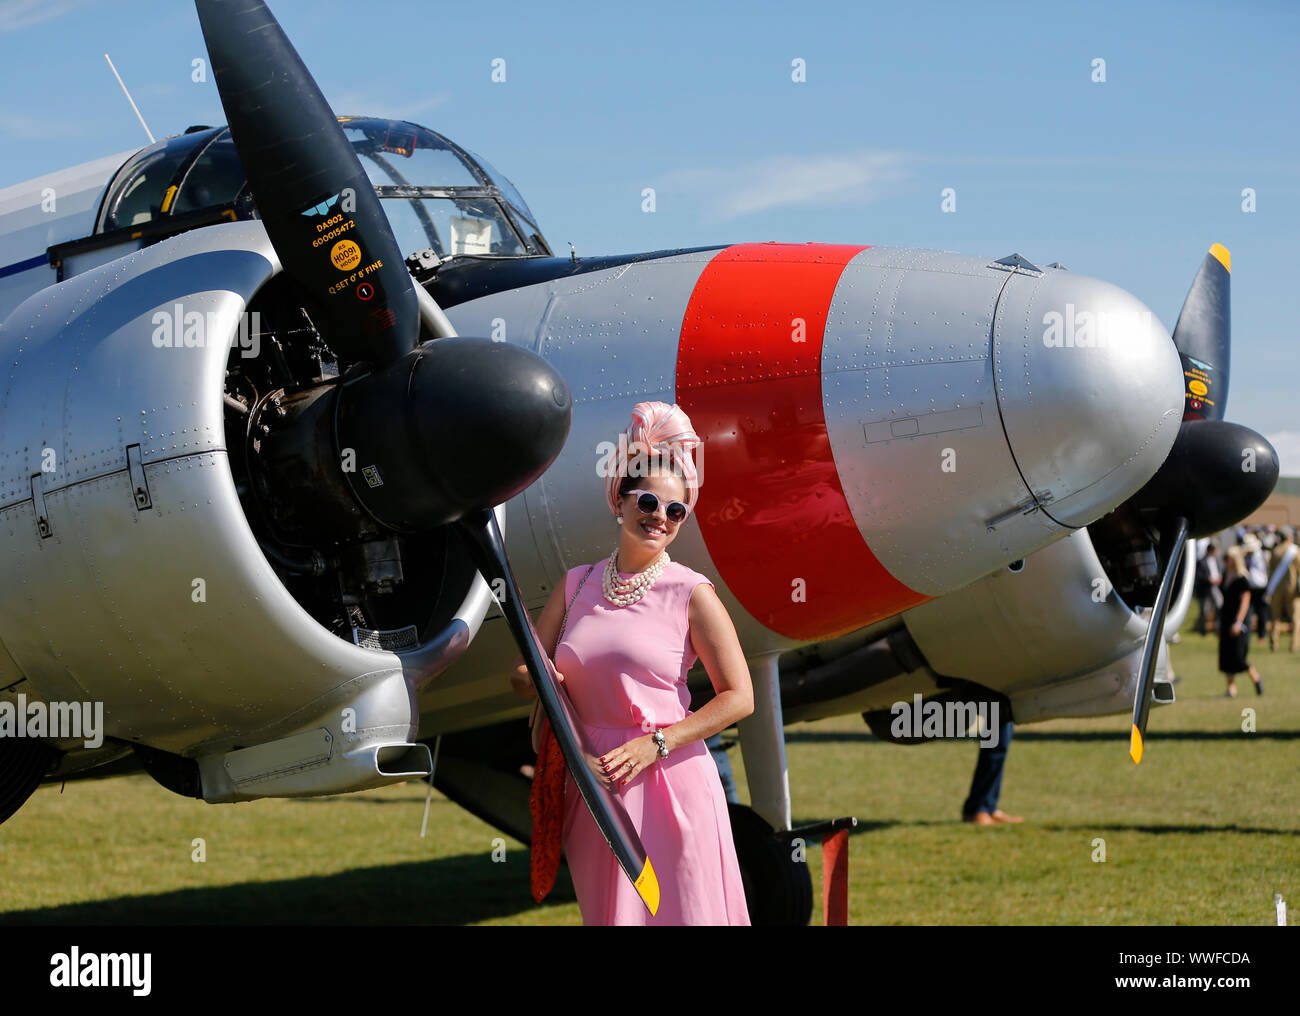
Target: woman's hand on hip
626,762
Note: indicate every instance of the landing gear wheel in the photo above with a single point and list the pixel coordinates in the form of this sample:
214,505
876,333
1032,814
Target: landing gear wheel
778,889
24,761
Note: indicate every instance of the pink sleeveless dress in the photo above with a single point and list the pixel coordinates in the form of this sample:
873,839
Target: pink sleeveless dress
625,672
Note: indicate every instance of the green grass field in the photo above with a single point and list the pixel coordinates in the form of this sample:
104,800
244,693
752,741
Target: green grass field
1205,831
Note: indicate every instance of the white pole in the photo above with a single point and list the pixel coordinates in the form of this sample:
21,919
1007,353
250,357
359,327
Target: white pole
129,99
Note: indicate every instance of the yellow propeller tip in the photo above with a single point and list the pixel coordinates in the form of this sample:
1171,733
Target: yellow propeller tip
1223,256
1135,746
648,886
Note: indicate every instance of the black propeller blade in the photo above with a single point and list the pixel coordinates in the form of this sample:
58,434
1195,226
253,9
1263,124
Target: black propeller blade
1203,337
1216,473
1155,637
320,211
485,543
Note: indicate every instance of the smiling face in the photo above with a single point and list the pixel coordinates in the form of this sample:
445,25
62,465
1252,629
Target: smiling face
651,533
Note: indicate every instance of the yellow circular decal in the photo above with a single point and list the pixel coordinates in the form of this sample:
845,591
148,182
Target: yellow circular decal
346,255
1197,387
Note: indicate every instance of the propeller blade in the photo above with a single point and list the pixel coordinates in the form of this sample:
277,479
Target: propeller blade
1203,337
488,552
320,211
1155,635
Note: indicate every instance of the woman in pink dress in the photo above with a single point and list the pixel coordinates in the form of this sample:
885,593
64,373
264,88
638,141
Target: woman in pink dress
637,623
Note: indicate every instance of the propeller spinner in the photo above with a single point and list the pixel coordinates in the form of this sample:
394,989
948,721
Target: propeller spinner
449,428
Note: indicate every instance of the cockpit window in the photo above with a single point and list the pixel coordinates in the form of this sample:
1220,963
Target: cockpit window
434,193
142,190
399,154
393,157
452,226
508,190
216,178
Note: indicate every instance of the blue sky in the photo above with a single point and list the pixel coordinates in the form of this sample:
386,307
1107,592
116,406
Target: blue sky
1130,179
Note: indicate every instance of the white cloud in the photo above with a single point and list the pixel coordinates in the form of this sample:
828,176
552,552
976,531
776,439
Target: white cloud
16,14
1287,443
789,180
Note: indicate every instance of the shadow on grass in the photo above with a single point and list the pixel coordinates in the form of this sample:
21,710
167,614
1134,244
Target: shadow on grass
370,797
452,890
828,737
1120,827
1061,827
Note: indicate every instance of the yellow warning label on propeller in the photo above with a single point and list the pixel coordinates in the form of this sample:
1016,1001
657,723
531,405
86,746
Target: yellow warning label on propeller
1197,387
346,255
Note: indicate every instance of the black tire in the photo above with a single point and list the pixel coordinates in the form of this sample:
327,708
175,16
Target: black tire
24,761
778,888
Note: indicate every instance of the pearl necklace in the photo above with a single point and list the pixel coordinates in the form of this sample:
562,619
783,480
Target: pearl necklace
623,592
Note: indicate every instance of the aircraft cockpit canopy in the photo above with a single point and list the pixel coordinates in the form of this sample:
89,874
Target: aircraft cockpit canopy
436,194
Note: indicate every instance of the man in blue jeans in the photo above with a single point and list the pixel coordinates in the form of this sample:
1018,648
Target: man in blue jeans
981,807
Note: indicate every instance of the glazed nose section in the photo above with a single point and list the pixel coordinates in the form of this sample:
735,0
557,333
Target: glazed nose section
1090,389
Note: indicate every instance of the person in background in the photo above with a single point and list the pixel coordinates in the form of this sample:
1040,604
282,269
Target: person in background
1234,631
1257,573
981,805
1209,597
1284,587
719,752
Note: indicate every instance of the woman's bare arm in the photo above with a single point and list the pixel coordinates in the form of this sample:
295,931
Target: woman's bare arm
718,646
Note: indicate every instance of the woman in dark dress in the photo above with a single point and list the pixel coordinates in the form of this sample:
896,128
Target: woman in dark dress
1234,636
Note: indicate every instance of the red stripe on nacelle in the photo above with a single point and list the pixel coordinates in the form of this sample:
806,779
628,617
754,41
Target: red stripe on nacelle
771,508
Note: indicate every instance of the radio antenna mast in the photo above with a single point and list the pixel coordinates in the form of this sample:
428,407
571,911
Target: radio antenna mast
129,99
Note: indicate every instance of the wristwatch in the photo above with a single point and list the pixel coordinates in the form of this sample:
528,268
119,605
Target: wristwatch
658,737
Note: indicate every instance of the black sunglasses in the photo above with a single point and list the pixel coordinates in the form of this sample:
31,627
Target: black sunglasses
648,503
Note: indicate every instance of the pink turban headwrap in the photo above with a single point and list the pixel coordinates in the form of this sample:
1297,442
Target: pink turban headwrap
667,430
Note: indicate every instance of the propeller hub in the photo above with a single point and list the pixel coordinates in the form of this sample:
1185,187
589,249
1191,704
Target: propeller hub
1216,474
454,425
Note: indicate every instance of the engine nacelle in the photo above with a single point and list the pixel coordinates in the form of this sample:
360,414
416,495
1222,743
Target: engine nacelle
134,575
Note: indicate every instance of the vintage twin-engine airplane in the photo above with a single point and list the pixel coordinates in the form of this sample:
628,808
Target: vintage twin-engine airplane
252,483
